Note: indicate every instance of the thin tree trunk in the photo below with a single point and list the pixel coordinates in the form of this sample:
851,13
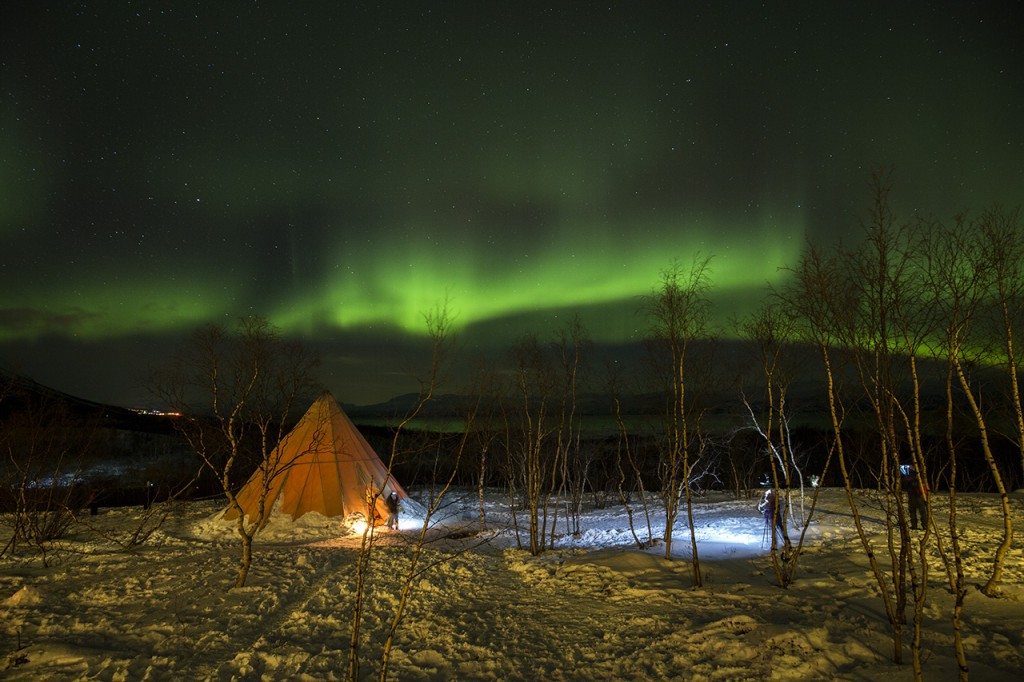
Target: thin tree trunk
246,562
958,582
897,627
991,587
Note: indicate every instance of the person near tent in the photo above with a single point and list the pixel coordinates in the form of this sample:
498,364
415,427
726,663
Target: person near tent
774,515
917,496
391,502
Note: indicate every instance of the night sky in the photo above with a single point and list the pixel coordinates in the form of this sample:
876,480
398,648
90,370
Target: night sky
342,168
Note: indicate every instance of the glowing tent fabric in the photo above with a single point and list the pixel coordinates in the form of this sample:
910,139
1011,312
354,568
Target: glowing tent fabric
326,466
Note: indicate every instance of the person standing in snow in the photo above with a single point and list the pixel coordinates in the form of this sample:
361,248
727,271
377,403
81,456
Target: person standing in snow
774,515
917,496
392,504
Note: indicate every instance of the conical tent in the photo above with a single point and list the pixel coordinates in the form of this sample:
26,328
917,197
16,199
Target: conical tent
326,466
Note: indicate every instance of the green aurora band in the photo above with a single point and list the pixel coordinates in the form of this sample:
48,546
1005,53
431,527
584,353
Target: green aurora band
605,268
387,286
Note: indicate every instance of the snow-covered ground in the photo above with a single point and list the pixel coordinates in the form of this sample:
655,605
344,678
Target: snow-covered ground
594,608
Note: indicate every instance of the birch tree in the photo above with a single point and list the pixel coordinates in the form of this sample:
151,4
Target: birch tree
678,315
237,391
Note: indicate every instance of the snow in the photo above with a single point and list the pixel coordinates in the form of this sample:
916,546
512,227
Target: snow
595,607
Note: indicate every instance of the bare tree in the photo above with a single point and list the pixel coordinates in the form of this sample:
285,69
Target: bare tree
439,329
485,428
878,313
825,306
535,384
1002,246
771,329
237,391
907,292
883,339
629,480
571,460
954,559
962,274
46,449
544,454
678,313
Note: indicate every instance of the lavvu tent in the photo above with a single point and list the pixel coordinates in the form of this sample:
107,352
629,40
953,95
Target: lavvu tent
326,466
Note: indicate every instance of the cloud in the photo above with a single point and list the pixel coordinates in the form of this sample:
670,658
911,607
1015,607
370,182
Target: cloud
30,323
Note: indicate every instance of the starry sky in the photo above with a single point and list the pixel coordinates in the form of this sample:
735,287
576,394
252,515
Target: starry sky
343,168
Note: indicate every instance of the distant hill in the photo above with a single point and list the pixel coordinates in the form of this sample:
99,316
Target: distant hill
19,394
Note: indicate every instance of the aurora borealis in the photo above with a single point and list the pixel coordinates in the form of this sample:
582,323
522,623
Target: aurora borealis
342,168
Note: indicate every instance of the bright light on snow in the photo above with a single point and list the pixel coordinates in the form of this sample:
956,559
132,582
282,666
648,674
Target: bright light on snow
731,537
